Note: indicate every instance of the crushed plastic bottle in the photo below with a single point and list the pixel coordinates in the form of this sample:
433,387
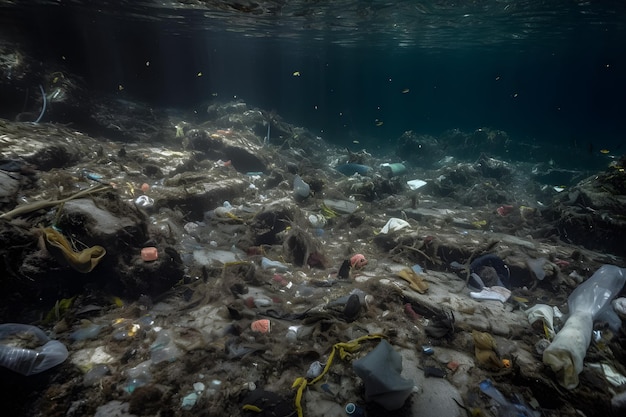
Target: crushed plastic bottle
48,354
138,376
163,348
586,303
301,189
269,264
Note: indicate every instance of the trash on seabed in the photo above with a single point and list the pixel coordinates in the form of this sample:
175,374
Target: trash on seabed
380,371
25,361
566,353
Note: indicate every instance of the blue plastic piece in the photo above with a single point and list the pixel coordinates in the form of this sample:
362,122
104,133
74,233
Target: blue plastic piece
417,269
507,408
354,410
269,264
351,169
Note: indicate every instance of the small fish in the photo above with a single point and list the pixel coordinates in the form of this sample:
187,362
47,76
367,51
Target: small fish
199,74
296,73
378,123
604,151
405,91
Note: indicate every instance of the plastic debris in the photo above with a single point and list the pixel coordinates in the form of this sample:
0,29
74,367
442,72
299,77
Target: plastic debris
416,184
344,270
351,169
543,314
269,264
354,410
394,224
315,370
341,206
344,350
149,254
90,331
416,282
492,270
84,261
494,293
358,261
393,170
292,334
95,374
138,376
536,265
163,349
504,210
144,201
485,350
507,408
434,372
566,353
29,361
615,378
189,401
261,326
619,305
380,371
301,189
317,220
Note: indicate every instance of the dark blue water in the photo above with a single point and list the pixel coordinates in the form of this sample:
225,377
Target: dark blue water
368,71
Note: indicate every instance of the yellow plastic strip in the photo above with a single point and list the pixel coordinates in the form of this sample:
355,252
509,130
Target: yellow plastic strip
345,350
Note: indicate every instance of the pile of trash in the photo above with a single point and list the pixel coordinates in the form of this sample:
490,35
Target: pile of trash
244,266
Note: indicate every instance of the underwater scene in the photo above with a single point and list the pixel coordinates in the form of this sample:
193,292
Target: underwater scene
309,208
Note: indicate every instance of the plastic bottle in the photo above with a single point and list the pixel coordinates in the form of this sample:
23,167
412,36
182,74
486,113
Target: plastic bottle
30,361
301,189
588,301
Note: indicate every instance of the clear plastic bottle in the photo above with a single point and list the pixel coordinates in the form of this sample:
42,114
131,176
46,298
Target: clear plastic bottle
26,361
